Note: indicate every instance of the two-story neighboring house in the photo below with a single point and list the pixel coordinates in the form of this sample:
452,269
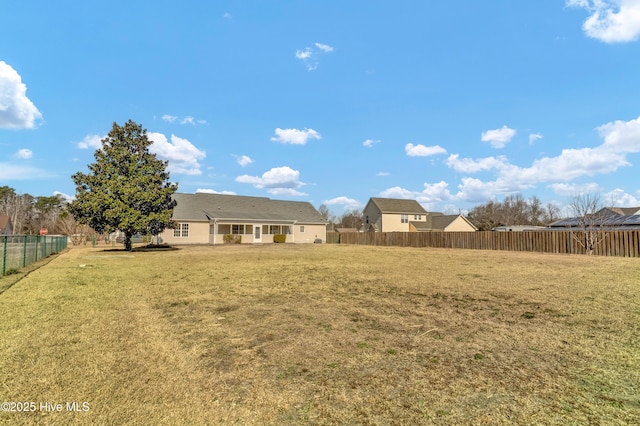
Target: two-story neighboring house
399,215
392,214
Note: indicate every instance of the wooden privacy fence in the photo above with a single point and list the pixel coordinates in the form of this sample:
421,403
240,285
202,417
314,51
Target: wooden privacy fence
614,243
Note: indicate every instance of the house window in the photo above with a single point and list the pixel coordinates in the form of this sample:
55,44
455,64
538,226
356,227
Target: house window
301,228
237,229
181,231
404,218
417,217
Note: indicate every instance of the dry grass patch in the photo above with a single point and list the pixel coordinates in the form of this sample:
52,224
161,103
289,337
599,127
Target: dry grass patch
325,335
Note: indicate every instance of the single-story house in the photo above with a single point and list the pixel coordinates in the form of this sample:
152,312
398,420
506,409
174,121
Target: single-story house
400,215
608,218
207,218
5,225
443,223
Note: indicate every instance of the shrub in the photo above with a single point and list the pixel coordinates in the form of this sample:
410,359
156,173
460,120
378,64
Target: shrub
279,238
232,239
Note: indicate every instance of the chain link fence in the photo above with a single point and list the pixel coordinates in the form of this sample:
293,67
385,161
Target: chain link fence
18,251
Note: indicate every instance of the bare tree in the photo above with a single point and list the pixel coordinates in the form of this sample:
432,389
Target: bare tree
76,231
351,219
327,216
513,210
19,207
590,219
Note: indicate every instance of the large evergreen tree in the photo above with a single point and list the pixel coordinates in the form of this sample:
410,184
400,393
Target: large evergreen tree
127,188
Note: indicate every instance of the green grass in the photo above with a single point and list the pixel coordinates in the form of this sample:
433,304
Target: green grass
323,334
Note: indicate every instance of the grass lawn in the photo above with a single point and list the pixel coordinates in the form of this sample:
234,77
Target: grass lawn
322,334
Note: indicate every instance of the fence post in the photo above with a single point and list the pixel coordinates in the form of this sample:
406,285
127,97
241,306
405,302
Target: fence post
4,255
24,252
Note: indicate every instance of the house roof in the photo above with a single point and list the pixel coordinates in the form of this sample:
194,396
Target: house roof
624,211
618,222
396,205
207,207
438,222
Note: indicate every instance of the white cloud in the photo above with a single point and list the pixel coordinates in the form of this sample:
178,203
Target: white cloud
286,192
348,203
91,141
382,174
610,21
295,136
324,47
243,160
533,137
570,164
571,189
68,198
213,191
370,142
431,195
309,55
619,139
498,138
10,171
621,136
619,198
16,110
468,165
423,151
475,190
23,154
182,155
304,54
185,120
278,181
227,15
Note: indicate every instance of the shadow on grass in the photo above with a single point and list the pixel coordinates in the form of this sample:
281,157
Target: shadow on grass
147,248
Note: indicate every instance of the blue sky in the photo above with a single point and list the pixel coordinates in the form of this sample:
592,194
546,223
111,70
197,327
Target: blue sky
449,103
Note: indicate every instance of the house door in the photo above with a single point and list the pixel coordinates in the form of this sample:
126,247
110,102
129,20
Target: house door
257,238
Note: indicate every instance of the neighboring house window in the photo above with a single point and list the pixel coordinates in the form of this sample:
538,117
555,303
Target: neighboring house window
237,229
417,217
404,218
301,228
181,231
367,218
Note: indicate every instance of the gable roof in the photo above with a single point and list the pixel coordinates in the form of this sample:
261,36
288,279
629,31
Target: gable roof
439,222
207,207
631,221
624,211
397,205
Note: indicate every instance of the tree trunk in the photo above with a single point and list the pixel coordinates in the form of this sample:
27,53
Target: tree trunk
128,245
